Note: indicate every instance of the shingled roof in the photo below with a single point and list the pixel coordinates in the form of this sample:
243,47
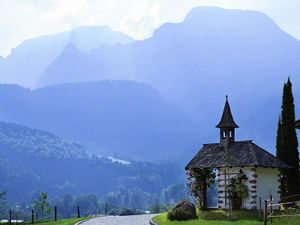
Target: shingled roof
227,118
237,154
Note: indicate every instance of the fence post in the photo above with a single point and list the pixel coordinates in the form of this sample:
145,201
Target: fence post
16,218
9,217
32,216
78,212
259,213
230,207
271,208
55,213
266,212
37,217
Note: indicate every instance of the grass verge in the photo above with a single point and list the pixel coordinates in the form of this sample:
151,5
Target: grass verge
220,217
59,222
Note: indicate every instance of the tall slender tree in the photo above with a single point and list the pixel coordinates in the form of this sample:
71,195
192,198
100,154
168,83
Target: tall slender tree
287,143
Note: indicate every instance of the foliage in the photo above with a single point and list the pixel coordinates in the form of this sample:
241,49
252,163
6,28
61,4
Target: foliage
2,195
174,193
182,211
3,203
179,214
287,143
220,217
36,160
238,188
41,205
67,205
158,207
128,212
199,181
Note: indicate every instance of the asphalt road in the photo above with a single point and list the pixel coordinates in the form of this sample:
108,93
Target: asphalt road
120,220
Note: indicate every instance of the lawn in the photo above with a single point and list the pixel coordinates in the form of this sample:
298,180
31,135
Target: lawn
220,217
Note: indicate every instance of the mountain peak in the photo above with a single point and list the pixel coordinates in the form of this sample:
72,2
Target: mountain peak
70,49
86,38
207,14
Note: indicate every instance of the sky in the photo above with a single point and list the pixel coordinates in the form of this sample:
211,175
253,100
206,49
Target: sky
25,19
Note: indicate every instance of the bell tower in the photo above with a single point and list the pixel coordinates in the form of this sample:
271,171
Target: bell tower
227,126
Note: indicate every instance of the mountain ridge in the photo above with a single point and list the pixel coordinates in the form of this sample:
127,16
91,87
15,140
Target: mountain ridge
210,50
126,118
29,59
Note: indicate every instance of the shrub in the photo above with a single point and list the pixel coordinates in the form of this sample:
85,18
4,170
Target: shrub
127,212
183,211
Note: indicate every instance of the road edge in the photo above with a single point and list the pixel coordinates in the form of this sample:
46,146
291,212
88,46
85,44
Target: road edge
151,222
82,221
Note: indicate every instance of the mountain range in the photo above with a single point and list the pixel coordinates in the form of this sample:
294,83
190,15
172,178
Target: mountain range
195,63
192,64
123,118
28,60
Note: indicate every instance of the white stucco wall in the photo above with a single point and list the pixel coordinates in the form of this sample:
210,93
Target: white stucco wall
268,183
261,183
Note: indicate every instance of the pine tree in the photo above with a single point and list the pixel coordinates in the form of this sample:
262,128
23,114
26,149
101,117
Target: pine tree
287,143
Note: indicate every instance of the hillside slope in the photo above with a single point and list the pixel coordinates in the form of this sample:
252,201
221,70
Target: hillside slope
33,160
126,118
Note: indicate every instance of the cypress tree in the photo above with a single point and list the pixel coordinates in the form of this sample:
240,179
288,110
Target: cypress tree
279,149
287,143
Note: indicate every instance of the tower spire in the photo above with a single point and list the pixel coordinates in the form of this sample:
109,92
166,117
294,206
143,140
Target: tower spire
227,125
227,118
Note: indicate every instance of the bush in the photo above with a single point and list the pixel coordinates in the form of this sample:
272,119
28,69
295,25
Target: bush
127,212
183,211
113,212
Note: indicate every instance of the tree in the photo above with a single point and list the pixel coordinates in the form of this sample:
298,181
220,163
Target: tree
238,189
174,193
2,195
68,205
41,204
199,180
287,143
3,204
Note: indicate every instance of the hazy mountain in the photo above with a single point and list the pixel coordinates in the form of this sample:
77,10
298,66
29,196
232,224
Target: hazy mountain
76,71
195,63
122,117
28,60
88,38
34,160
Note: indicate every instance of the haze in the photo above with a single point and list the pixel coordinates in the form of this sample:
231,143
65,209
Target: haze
25,19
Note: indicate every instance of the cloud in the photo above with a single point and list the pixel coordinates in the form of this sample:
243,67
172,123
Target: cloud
24,19
141,19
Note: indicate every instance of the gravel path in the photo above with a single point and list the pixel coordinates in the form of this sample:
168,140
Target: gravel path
120,220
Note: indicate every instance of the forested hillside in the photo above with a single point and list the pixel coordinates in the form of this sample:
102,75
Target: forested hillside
34,160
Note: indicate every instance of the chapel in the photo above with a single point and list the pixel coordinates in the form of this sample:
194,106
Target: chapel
229,157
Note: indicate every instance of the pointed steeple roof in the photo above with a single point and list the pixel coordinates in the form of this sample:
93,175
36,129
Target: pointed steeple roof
227,118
